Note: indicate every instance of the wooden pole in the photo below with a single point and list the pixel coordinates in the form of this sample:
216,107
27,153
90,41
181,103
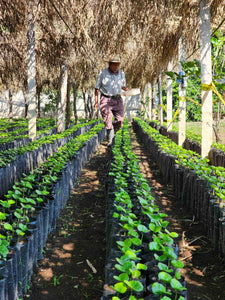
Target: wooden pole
62,99
31,72
10,107
169,99
85,106
75,102
182,95
149,96
68,114
153,101
38,102
206,77
144,102
160,98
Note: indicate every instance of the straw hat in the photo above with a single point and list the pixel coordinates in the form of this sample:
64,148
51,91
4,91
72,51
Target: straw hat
114,59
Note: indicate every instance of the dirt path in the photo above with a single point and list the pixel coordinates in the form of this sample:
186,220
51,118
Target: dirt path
73,267
204,271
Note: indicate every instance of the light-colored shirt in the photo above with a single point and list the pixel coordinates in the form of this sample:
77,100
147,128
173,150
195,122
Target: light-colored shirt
109,83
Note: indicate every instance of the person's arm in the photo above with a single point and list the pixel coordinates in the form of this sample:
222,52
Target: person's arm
96,99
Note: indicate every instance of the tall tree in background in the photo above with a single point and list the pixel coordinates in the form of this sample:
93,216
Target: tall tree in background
68,115
31,67
75,102
10,107
62,98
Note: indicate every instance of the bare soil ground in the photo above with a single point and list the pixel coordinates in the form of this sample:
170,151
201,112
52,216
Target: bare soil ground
73,264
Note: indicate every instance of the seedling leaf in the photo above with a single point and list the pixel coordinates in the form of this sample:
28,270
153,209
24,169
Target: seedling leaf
176,285
120,287
135,285
165,277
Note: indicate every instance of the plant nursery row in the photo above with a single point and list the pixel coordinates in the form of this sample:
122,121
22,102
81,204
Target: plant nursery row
30,209
141,257
13,137
21,160
21,124
193,142
15,134
198,185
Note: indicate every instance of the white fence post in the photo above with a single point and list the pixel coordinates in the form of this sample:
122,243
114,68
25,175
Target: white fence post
182,95
160,98
62,98
31,72
206,77
169,100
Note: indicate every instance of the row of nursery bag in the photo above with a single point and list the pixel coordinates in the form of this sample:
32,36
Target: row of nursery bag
198,185
142,257
31,208
22,160
193,142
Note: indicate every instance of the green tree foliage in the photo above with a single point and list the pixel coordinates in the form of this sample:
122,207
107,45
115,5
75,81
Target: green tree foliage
192,71
53,99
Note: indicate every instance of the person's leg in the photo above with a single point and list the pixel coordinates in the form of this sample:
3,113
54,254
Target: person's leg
118,112
106,112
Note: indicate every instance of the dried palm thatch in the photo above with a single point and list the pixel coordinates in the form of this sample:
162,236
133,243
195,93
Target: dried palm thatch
83,33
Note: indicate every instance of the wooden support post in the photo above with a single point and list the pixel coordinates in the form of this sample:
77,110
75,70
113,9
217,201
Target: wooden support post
149,96
31,95
160,98
62,99
169,99
182,95
75,102
68,113
143,104
153,102
10,107
206,77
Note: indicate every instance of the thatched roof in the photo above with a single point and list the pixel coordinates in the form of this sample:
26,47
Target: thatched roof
84,32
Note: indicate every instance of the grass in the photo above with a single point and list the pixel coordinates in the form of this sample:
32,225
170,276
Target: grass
195,127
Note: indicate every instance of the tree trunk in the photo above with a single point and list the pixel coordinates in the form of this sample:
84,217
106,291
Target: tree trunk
90,107
144,102
75,102
25,105
206,77
149,97
85,107
31,72
38,102
182,95
216,125
10,107
62,99
160,98
169,100
68,114
153,101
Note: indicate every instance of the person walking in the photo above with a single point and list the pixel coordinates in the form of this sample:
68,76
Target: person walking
110,83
